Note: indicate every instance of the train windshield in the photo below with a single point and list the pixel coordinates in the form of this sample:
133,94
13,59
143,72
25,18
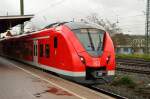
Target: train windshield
91,39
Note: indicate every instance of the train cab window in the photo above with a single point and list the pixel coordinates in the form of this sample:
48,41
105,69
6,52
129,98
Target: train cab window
41,50
91,39
55,42
47,51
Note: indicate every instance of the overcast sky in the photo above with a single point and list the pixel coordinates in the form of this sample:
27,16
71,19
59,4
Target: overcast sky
130,13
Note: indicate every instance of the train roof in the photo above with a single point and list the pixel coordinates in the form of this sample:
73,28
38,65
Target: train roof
71,25
78,25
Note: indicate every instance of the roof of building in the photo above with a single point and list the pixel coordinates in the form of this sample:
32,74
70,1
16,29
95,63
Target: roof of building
7,22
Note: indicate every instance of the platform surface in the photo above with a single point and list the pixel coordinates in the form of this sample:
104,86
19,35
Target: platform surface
19,81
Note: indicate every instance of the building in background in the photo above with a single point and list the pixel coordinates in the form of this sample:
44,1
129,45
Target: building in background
129,44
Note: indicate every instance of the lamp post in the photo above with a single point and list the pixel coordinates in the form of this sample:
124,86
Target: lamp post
22,13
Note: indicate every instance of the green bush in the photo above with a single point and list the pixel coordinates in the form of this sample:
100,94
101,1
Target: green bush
134,56
125,81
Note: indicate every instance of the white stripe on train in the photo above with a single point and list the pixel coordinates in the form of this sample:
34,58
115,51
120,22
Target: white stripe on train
59,71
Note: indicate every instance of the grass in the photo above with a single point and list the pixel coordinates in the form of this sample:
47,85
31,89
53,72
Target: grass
124,81
134,56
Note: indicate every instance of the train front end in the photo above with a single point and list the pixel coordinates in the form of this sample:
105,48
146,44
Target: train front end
96,51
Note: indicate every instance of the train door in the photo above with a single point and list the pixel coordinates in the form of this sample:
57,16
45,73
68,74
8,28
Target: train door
35,51
44,51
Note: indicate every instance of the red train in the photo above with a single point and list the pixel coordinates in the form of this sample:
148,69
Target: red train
78,51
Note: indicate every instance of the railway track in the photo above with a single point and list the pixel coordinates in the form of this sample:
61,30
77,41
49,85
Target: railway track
133,71
134,61
98,89
127,65
134,65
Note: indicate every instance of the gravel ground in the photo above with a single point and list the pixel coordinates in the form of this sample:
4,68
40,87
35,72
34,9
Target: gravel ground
141,89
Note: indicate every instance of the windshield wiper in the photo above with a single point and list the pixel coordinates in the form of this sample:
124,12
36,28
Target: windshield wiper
99,44
92,45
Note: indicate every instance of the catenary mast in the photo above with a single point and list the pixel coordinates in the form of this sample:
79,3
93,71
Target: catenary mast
147,32
22,13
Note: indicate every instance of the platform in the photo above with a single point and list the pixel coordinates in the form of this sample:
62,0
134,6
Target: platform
19,81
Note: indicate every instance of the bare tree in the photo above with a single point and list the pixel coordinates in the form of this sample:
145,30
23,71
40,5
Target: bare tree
110,27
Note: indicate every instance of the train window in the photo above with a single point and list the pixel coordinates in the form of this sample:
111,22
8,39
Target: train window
47,50
41,50
34,51
55,42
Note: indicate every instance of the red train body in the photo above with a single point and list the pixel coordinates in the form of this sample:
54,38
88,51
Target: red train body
77,51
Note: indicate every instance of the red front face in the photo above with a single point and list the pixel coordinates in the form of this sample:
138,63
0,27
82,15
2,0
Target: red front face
95,50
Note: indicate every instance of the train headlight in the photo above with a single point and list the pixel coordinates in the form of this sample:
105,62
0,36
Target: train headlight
108,59
82,59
